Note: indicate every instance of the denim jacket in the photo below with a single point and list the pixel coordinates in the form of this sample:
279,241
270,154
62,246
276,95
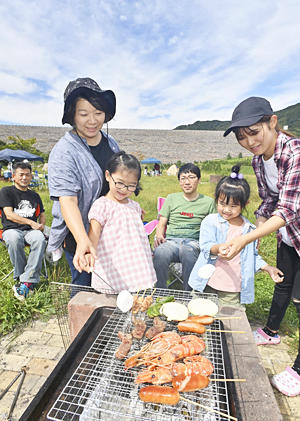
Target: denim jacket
214,230
73,171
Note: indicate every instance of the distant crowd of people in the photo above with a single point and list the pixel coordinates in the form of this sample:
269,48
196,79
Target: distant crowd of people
99,228
155,170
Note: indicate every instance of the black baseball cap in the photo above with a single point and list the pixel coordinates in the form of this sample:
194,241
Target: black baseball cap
249,112
88,86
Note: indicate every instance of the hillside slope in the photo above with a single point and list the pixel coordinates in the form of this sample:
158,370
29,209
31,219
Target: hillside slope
289,116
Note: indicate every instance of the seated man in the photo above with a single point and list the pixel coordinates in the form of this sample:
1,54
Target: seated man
21,210
182,214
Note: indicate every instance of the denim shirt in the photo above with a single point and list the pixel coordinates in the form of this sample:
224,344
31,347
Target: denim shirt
214,229
73,171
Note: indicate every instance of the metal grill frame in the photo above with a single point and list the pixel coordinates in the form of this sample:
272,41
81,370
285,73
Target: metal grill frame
61,294
100,388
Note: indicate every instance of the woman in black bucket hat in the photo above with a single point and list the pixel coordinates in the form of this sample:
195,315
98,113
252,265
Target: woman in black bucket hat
276,164
75,171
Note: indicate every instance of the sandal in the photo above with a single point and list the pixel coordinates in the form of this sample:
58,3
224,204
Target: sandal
261,338
287,382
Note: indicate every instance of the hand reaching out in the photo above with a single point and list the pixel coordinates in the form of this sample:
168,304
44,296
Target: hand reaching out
274,272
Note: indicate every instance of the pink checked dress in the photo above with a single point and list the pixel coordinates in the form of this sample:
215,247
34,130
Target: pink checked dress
124,256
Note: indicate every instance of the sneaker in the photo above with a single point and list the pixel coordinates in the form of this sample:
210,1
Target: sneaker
287,382
22,291
261,338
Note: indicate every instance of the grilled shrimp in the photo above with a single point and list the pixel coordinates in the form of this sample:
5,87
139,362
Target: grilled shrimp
192,366
160,344
190,345
196,364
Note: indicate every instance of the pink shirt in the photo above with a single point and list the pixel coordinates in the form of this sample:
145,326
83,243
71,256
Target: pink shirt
227,275
124,256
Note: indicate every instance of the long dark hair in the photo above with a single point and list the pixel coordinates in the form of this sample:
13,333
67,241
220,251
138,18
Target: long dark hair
234,187
122,159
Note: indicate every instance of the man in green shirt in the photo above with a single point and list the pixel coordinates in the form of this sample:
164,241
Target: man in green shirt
177,233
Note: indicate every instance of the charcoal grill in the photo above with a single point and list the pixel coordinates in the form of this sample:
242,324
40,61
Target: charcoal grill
100,388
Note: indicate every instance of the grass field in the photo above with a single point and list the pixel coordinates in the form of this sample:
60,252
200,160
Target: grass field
15,314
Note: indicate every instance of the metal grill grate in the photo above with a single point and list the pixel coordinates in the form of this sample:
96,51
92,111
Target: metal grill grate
100,388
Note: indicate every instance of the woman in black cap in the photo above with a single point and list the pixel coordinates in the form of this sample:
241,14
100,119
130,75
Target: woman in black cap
276,164
76,167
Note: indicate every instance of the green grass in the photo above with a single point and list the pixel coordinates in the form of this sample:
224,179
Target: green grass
14,313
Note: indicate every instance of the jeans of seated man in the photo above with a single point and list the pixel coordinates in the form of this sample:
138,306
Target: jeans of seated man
27,270
178,250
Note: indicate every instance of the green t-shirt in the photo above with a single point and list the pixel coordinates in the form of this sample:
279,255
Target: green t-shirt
184,216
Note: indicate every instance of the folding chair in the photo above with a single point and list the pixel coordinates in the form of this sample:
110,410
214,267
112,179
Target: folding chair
174,268
45,273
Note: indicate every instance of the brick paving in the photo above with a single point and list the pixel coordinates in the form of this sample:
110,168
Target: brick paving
40,347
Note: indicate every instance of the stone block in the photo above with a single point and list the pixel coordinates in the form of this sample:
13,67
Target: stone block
82,305
41,366
13,362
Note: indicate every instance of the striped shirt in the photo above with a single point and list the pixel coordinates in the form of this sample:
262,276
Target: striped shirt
285,203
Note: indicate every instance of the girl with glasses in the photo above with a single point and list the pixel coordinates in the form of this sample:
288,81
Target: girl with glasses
123,254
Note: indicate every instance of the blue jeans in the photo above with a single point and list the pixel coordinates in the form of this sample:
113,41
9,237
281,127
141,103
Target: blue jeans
78,278
180,250
26,270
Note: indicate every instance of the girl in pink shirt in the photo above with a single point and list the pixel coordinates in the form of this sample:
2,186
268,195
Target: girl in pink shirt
123,254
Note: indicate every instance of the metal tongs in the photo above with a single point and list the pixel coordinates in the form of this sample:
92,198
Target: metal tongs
22,374
107,283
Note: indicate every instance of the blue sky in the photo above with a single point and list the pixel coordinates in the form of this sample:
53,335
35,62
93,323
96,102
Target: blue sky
168,62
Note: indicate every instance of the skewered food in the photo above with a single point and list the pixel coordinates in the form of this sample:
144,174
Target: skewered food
142,303
204,320
202,307
191,383
158,327
159,394
190,345
174,311
147,301
124,301
191,326
124,347
196,364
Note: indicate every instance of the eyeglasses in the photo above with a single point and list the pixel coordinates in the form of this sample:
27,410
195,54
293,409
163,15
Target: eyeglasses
122,186
188,177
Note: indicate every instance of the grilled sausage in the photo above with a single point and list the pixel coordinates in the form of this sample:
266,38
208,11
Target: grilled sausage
191,326
191,383
159,394
205,320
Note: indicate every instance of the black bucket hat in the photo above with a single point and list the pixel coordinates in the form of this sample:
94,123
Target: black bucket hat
249,112
88,87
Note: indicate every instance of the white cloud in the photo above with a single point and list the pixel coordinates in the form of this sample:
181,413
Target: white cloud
175,61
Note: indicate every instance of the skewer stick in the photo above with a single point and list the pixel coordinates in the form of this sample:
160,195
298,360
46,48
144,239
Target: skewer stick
143,294
153,292
226,331
227,317
227,380
209,409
